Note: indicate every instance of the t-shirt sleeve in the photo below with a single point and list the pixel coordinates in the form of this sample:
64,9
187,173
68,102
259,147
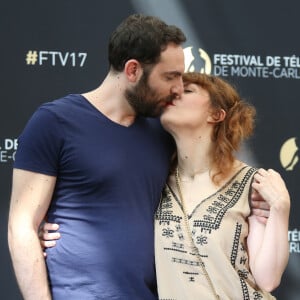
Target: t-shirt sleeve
40,143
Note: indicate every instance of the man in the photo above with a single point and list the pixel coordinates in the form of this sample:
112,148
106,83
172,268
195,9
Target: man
96,164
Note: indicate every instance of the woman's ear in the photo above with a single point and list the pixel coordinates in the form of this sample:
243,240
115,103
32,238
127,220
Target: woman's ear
132,70
217,116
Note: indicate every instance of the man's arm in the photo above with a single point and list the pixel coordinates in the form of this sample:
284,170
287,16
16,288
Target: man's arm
30,199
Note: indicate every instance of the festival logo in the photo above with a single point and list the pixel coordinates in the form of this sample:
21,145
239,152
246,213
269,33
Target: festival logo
197,60
289,154
244,65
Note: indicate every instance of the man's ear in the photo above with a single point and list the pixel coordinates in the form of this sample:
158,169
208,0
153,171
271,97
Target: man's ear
217,116
133,70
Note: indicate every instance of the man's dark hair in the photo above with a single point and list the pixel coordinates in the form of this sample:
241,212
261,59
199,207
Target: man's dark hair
142,38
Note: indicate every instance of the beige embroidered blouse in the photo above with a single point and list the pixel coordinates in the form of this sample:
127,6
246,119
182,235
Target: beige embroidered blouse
219,230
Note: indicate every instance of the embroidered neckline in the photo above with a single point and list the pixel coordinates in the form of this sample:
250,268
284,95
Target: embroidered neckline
229,182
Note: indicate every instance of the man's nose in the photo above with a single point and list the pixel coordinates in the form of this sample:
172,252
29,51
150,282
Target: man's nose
178,88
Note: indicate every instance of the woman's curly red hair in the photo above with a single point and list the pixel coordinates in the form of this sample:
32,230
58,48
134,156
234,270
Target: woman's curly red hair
237,125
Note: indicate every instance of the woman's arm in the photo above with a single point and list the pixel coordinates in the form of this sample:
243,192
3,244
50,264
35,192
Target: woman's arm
268,243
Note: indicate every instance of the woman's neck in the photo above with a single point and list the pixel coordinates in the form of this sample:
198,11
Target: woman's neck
194,155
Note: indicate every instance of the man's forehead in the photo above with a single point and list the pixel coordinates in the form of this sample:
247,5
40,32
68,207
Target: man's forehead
172,52
170,66
172,59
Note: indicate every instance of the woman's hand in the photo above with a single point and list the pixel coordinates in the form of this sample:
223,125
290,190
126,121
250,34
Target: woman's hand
271,187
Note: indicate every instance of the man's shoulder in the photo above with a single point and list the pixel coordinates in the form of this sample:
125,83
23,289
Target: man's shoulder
65,102
71,105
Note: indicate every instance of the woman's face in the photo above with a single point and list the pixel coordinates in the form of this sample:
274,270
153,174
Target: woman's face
191,111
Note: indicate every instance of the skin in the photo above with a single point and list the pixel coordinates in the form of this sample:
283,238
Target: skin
268,244
31,196
190,120
32,192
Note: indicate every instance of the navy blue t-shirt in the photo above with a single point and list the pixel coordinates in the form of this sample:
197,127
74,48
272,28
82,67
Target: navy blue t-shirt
109,181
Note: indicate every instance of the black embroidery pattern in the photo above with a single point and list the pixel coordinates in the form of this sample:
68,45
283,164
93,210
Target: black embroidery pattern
257,295
244,289
226,200
191,275
235,245
164,212
201,240
176,247
167,232
185,261
243,273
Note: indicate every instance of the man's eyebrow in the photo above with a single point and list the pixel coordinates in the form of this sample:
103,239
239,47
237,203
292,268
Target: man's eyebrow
175,73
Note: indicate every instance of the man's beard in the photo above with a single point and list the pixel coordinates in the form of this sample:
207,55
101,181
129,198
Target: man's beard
144,99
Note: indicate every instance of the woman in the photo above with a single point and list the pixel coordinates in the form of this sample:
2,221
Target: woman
208,245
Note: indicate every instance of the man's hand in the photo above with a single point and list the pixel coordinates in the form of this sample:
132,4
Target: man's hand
48,235
259,207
